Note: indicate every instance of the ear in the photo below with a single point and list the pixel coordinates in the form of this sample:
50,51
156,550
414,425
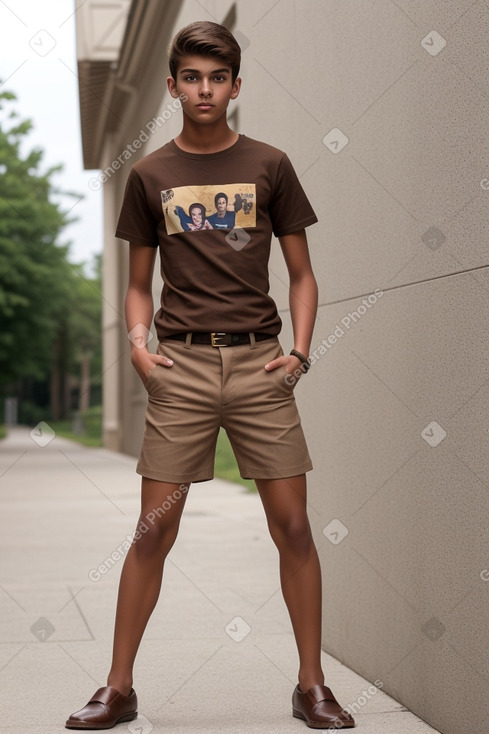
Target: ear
236,88
172,86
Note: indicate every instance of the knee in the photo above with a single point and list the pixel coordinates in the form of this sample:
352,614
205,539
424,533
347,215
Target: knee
151,539
294,535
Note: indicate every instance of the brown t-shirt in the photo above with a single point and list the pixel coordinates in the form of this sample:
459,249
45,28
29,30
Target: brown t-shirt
212,216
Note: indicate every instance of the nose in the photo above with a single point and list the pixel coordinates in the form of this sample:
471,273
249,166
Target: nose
205,90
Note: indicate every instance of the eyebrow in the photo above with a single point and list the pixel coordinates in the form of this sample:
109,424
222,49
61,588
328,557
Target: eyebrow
197,71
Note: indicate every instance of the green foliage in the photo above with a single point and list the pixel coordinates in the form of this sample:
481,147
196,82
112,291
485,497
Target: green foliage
225,466
91,420
86,316
49,309
34,275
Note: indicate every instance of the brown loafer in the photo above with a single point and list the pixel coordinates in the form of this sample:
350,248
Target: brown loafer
320,709
106,708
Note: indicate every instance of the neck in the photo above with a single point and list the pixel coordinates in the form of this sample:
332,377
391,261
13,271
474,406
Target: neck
196,138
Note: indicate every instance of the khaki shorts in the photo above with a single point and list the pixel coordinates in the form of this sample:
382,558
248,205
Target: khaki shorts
208,387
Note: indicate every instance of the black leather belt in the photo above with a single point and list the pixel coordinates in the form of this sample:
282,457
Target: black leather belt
220,338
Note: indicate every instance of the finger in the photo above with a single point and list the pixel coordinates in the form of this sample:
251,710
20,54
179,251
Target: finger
274,364
165,361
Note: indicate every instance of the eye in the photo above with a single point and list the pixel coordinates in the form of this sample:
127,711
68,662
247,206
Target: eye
219,78
190,78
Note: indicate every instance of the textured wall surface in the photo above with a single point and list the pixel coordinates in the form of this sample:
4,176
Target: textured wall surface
395,408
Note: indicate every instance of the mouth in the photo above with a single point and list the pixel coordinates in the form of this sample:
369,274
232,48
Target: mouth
205,106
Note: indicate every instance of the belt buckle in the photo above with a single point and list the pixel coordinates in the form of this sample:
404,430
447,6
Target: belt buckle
215,335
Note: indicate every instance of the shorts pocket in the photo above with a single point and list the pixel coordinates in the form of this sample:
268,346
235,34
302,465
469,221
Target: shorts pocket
149,379
289,378
284,378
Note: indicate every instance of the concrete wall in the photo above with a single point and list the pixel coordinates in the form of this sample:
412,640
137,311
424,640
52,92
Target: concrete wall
396,406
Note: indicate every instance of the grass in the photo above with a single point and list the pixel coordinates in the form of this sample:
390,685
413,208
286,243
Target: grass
92,428
226,467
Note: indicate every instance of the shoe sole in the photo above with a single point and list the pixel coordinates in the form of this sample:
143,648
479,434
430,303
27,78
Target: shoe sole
299,715
109,725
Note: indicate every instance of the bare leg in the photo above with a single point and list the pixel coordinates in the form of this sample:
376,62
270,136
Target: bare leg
141,576
284,501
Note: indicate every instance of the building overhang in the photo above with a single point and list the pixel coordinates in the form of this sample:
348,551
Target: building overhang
113,38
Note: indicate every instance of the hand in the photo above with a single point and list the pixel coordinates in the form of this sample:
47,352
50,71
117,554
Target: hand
144,362
292,365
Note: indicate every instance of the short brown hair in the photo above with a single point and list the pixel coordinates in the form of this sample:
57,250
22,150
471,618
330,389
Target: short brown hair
204,38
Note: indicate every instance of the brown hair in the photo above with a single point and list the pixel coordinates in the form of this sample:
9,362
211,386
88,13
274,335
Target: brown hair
204,38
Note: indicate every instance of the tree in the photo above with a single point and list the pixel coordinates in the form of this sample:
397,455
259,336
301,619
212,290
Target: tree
34,278
85,330
50,311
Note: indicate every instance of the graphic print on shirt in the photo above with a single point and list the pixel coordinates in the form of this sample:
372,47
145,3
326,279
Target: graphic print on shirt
193,208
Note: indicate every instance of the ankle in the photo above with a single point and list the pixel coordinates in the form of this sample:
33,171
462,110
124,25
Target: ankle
123,685
308,680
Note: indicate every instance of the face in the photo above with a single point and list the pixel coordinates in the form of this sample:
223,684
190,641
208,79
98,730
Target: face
207,85
196,215
221,205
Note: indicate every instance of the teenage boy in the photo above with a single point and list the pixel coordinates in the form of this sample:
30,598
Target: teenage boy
218,361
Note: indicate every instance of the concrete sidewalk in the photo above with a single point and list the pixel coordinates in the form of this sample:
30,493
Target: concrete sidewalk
218,653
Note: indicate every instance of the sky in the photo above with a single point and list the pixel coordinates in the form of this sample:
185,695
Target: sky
38,64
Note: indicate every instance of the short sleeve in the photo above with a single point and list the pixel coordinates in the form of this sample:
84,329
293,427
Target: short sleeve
136,222
290,210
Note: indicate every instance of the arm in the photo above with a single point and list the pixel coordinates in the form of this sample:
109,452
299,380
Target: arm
303,297
183,217
139,309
